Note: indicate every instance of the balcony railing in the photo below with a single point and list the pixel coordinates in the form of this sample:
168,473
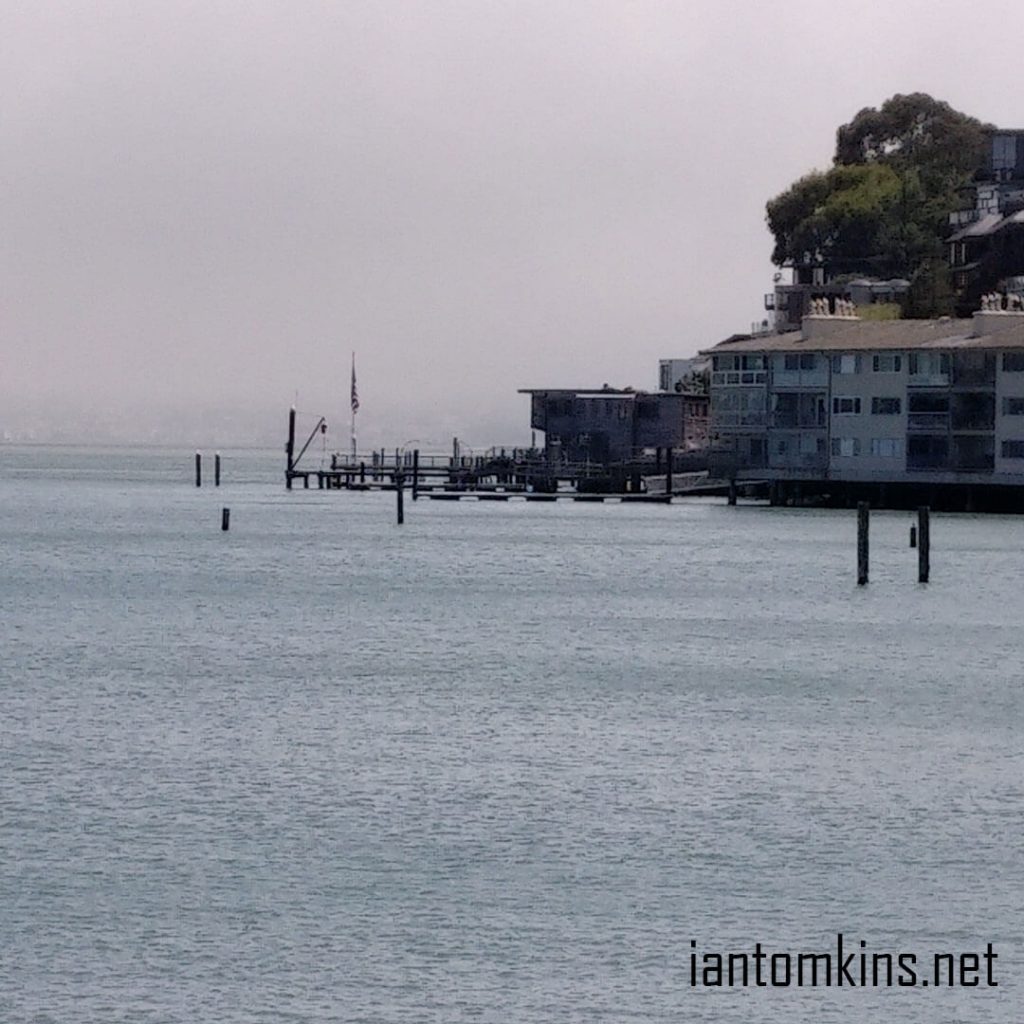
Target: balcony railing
739,419
932,422
729,378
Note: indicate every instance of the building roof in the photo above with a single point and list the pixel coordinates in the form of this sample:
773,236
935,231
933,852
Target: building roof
606,392
849,334
985,225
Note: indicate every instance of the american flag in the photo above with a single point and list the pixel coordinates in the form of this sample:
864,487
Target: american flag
355,394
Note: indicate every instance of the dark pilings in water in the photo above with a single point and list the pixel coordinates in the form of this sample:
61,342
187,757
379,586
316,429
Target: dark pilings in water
400,496
913,536
863,512
290,448
225,519
415,474
668,472
732,491
216,469
923,544
199,470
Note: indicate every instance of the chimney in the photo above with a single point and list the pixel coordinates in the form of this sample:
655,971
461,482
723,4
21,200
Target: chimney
992,318
821,323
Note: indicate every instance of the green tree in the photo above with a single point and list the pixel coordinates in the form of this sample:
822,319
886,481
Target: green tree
915,131
843,218
883,207
930,293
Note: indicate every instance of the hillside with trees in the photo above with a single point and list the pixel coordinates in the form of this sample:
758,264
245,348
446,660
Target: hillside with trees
882,209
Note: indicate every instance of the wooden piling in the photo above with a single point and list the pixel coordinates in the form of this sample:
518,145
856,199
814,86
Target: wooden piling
199,470
225,519
415,474
668,473
400,496
732,491
923,543
362,472
863,514
290,448
216,469
913,536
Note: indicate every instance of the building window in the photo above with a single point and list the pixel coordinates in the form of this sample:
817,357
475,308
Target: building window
885,406
799,361
810,445
887,363
842,406
846,364
1013,362
929,364
845,447
1013,449
887,447
1013,406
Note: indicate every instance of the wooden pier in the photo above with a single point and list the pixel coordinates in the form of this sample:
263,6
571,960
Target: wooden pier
501,474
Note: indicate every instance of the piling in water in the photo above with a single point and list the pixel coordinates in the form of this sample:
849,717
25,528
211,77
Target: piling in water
863,514
913,536
199,470
400,496
216,469
415,474
923,544
225,519
290,448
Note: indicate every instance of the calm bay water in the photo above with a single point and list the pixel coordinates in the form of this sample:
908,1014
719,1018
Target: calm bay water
501,764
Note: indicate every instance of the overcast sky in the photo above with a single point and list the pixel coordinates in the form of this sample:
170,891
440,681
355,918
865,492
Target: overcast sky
207,206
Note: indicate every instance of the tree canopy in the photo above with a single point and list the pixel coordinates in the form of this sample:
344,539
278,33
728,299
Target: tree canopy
883,207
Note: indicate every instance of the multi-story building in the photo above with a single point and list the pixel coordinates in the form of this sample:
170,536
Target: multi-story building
844,405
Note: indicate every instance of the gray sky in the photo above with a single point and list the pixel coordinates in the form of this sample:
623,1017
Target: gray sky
207,205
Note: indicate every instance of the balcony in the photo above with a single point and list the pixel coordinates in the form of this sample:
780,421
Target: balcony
929,422
973,454
733,378
738,419
927,452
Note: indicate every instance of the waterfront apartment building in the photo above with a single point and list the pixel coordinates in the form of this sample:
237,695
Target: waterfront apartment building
915,408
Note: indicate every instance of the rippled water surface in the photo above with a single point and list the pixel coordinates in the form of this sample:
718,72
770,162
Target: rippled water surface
501,764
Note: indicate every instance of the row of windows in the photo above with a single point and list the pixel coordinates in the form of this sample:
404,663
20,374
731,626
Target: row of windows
848,363
745,361
880,447
892,448
918,363
880,406
877,447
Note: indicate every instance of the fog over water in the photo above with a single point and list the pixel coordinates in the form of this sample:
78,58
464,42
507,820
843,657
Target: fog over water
207,207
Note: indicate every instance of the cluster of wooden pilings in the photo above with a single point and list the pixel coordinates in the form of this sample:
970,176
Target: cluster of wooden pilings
920,538
199,469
